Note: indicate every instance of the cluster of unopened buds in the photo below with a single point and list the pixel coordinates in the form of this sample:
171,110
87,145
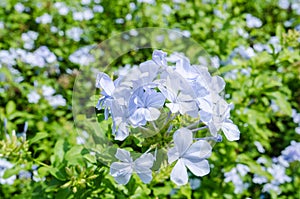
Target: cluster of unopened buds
169,105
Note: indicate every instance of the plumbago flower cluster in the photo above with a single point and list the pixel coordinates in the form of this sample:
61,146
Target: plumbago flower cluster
161,99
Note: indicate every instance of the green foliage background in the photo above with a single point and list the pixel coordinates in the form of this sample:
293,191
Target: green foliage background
70,171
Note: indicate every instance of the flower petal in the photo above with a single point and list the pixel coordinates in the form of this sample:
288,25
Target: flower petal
152,114
169,94
123,155
200,168
218,84
138,117
142,167
198,150
173,155
179,173
104,82
174,107
189,108
121,172
144,162
205,116
155,100
146,176
183,138
158,56
230,130
122,132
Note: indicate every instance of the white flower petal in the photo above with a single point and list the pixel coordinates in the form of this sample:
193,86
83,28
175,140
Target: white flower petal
155,100
198,150
205,116
218,84
212,129
230,130
183,138
122,132
179,173
173,155
205,104
189,108
152,114
123,155
170,95
146,175
138,117
144,162
200,168
103,81
121,172
174,107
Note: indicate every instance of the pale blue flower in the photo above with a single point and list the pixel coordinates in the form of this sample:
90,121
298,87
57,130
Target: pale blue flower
24,175
4,165
159,57
19,7
47,91
195,183
219,120
179,93
284,4
88,14
253,22
62,8
29,38
74,33
259,147
85,2
45,53
98,8
245,53
44,19
144,106
184,68
56,101
292,152
33,97
242,169
104,82
278,173
297,129
271,187
123,170
78,16
82,56
258,179
119,115
119,21
234,177
188,154
144,75
147,1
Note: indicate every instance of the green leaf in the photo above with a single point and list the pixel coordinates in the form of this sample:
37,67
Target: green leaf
38,136
12,171
59,152
10,107
162,191
75,155
57,174
90,158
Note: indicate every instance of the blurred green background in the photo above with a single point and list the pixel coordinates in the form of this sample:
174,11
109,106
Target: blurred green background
254,44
